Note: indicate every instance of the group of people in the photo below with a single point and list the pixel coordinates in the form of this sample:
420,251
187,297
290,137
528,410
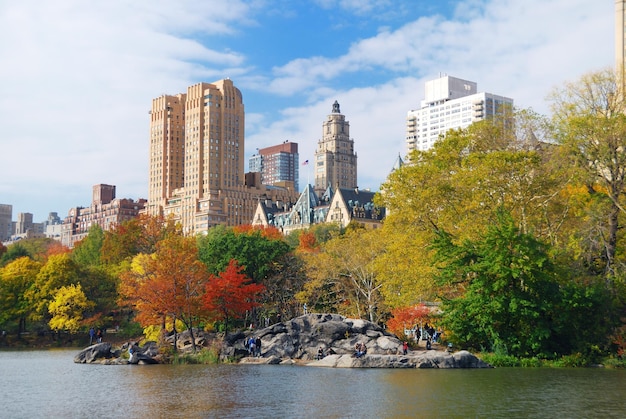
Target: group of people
360,349
253,344
429,334
95,336
321,353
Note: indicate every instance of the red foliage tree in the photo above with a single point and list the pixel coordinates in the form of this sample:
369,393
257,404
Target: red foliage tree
230,294
403,318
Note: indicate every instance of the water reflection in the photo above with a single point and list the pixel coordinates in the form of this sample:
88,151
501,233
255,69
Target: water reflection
49,384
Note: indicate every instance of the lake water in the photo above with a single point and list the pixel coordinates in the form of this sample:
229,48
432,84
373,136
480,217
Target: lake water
47,384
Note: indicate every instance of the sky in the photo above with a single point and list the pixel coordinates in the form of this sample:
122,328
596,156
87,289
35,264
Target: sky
77,78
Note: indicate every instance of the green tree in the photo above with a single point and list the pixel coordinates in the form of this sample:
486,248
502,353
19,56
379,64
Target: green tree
457,186
504,290
256,253
14,251
87,251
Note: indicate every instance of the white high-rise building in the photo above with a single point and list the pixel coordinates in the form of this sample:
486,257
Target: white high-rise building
449,103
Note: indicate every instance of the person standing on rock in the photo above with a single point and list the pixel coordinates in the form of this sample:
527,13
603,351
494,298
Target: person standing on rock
405,347
92,334
257,344
252,344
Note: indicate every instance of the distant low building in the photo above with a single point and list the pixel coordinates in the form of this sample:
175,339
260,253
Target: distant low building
105,210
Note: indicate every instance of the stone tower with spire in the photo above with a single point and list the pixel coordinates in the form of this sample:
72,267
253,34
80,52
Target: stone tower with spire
335,160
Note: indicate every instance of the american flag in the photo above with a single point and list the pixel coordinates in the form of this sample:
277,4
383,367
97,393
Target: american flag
305,162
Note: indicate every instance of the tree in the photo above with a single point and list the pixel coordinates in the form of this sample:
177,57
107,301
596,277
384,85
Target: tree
251,249
87,251
403,318
590,124
505,290
457,186
230,294
14,251
16,279
67,308
138,235
58,271
345,264
169,282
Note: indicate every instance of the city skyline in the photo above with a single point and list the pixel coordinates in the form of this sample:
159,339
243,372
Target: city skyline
80,78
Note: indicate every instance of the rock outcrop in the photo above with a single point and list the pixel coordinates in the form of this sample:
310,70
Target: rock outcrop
301,338
102,353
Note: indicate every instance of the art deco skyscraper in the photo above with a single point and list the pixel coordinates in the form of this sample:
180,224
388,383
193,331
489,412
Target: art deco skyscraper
196,151
335,162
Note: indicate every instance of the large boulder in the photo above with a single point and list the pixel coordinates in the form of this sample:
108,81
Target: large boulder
102,353
95,353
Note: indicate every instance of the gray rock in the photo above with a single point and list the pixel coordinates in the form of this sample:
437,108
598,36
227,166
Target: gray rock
301,337
93,353
416,359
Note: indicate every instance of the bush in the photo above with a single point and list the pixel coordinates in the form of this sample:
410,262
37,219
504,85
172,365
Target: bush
500,360
204,356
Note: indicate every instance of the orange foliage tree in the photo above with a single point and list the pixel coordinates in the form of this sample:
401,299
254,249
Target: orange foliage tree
403,318
230,294
169,282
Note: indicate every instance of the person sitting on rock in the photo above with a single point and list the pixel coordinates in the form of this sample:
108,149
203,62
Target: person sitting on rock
320,353
360,349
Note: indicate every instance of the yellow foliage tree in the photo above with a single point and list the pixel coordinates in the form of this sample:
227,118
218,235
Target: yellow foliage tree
67,308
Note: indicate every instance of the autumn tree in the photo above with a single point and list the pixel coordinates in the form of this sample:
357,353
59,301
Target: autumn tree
404,318
168,283
230,294
458,185
14,251
67,307
58,271
343,274
138,235
16,279
590,124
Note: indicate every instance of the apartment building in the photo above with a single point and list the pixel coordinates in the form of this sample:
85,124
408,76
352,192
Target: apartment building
105,210
196,168
450,103
277,164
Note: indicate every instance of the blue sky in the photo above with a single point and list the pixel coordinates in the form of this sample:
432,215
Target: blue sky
78,77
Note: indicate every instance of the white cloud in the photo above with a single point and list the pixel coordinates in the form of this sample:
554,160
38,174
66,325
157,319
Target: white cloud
78,78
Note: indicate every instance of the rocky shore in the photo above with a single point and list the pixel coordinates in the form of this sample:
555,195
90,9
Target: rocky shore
300,341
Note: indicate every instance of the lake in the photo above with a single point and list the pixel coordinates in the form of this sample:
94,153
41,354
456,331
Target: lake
48,384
